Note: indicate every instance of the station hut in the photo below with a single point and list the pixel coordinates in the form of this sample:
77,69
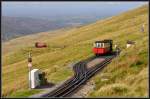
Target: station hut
40,45
130,43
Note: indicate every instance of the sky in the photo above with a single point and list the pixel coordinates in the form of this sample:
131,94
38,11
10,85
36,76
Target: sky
49,9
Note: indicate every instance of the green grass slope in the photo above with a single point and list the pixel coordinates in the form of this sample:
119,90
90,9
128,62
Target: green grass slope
127,74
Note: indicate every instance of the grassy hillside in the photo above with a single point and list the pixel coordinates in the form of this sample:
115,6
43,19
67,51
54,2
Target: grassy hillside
127,74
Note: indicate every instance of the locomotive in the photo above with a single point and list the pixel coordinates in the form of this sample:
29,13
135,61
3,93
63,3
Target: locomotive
103,47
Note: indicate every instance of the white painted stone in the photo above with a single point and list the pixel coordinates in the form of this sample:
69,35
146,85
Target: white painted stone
115,46
128,45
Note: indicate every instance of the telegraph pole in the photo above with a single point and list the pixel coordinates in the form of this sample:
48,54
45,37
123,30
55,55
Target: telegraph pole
30,67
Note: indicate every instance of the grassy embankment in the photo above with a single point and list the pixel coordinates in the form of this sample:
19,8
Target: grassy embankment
128,78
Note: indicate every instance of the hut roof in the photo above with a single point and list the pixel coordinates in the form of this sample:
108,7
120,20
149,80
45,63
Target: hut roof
130,42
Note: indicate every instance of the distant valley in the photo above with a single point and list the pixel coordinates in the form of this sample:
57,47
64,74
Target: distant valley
13,27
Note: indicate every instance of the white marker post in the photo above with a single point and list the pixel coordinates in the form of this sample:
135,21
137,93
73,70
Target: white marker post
29,66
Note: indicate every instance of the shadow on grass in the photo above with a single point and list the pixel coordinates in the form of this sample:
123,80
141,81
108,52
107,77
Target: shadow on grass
48,85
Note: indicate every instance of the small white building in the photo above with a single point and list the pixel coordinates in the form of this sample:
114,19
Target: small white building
34,80
130,43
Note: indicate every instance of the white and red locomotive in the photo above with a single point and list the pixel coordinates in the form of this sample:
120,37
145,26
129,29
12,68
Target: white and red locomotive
102,47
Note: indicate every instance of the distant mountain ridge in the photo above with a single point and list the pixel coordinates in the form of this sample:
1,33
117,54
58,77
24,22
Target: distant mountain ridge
13,27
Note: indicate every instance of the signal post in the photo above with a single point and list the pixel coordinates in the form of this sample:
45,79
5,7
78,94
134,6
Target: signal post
30,67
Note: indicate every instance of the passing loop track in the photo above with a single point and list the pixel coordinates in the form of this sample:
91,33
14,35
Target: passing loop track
81,75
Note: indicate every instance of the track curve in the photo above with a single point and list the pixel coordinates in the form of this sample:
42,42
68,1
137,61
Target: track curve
81,75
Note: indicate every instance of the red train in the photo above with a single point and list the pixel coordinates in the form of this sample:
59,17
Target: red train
102,47
40,45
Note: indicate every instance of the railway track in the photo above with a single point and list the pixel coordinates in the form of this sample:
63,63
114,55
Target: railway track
81,75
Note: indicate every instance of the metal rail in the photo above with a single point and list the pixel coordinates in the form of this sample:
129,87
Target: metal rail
81,75
89,74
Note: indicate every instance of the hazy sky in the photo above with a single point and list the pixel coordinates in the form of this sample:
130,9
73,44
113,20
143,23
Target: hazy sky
46,9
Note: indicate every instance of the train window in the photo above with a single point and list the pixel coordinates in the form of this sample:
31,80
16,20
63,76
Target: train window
106,45
102,45
99,45
95,45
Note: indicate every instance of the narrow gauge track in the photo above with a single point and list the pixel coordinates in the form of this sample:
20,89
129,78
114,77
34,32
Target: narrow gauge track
81,75
78,71
87,76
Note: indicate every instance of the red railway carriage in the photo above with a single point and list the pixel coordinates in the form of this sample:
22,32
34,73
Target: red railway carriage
40,45
102,47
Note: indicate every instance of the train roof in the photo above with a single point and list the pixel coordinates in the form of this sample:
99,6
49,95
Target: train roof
103,41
